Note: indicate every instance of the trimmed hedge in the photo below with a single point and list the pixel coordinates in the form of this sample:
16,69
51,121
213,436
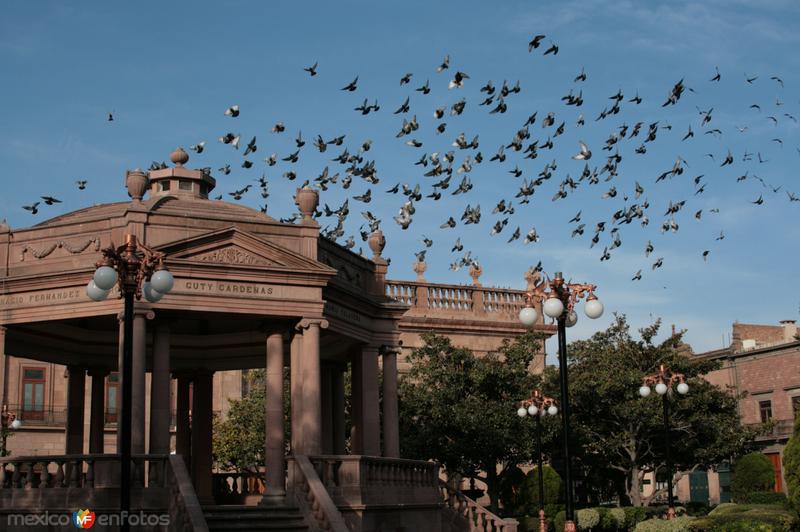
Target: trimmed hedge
765,497
729,517
679,524
587,518
751,473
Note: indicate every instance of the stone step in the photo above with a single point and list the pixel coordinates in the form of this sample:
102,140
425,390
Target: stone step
254,518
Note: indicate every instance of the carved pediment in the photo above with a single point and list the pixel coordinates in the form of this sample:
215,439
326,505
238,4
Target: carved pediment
237,248
234,255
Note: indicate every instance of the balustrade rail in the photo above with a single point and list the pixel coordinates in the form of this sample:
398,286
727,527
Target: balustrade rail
79,471
468,516
235,487
311,496
447,298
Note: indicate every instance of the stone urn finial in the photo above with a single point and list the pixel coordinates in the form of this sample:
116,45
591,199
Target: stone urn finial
419,268
307,200
532,278
376,243
475,272
136,182
179,157
4,228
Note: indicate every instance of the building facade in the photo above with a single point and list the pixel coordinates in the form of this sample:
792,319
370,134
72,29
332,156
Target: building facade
762,365
250,292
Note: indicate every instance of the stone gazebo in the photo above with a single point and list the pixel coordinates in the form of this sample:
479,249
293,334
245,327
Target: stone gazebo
250,292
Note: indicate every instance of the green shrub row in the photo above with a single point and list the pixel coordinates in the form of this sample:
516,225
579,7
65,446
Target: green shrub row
729,517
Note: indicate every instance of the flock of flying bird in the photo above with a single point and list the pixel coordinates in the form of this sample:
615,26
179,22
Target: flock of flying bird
447,172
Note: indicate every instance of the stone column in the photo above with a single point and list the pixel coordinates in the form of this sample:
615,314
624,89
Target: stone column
159,391
296,388
201,435
274,446
365,402
337,409
3,365
327,410
391,421
182,427
76,384
97,415
311,416
138,380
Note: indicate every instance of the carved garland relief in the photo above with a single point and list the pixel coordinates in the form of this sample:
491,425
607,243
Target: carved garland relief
74,249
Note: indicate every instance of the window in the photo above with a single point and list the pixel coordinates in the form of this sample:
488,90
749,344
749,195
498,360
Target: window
112,397
163,186
765,410
795,405
185,185
203,189
32,393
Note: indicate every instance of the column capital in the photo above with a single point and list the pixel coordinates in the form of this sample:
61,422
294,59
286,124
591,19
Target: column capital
148,314
305,323
3,329
270,328
98,372
390,350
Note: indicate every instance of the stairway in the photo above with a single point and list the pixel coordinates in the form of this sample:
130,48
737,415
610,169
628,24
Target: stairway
254,518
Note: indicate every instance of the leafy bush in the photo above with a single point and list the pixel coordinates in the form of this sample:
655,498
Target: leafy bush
660,511
510,487
765,497
528,499
559,520
587,518
791,465
696,508
730,517
752,472
615,519
634,515
679,524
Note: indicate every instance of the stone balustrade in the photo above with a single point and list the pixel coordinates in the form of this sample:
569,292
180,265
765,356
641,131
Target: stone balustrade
305,486
447,299
237,487
466,515
359,480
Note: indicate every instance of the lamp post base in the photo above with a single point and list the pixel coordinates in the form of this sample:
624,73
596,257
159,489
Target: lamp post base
569,526
670,513
542,522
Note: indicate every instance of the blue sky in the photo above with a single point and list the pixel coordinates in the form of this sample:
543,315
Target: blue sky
168,71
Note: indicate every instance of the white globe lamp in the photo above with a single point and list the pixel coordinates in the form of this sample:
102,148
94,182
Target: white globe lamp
553,307
522,412
661,388
162,281
572,318
683,388
533,410
644,391
593,308
151,294
527,316
552,410
105,277
95,293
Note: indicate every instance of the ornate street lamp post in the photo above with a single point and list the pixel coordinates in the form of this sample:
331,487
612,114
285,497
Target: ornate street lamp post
537,406
137,270
559,303
663,381
8,420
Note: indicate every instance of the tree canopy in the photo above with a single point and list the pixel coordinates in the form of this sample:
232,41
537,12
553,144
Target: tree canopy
619,434
460,409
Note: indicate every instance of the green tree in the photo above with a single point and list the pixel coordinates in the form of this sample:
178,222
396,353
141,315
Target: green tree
751,472
238,439
791,464
619,435
460,409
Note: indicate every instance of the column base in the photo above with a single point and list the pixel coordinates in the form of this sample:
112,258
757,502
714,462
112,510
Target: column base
273,497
